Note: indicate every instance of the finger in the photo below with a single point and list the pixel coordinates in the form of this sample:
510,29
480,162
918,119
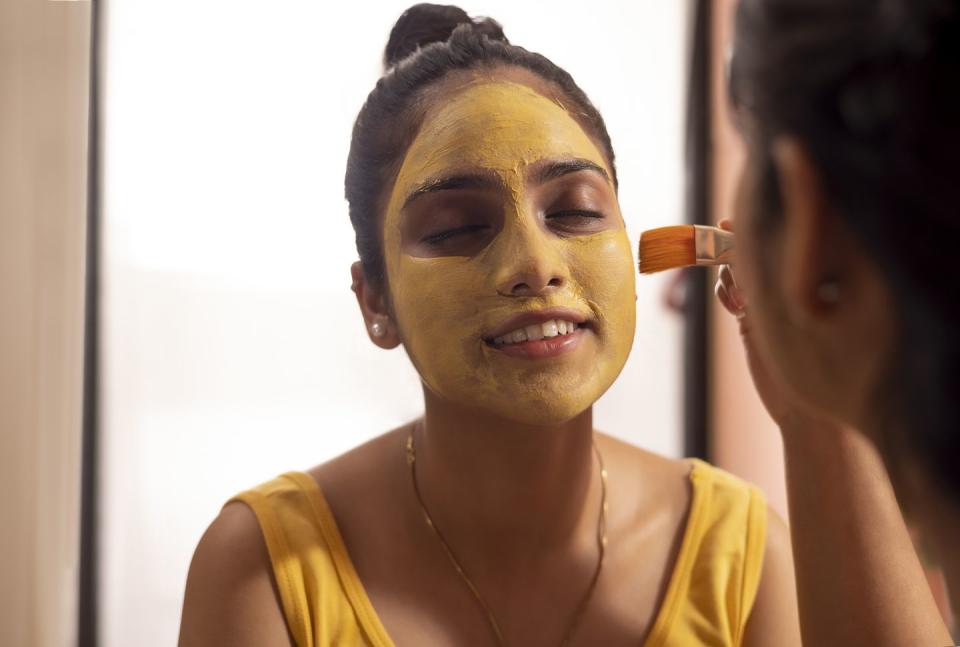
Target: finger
724,297
727,277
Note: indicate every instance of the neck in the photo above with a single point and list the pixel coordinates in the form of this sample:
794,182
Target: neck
495,486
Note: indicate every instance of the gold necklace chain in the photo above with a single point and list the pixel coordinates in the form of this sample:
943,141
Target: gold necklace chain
494,627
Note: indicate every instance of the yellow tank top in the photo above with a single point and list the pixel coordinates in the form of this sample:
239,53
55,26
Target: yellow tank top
707,603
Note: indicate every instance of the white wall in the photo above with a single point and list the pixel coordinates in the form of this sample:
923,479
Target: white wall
234,349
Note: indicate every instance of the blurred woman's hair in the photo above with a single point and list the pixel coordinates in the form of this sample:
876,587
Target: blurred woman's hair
871,88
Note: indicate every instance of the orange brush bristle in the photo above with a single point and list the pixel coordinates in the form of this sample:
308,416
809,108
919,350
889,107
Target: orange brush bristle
667,248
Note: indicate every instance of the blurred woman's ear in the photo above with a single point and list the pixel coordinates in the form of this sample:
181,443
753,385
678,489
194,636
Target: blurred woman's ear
373,306
833,293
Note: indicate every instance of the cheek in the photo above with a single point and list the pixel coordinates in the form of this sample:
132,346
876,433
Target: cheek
435,297
602,266
438,305
756,270
754,279
751,268
747,267
748,259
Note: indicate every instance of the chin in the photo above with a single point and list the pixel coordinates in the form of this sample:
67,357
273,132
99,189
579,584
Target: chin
544,407
535,395
546,414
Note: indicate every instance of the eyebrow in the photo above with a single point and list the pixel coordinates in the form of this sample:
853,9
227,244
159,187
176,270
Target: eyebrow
453,182
542,173
554,169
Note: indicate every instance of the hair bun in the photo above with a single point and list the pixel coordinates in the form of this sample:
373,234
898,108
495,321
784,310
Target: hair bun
426,23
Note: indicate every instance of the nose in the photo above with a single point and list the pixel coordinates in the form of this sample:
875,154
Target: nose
530,283
530,266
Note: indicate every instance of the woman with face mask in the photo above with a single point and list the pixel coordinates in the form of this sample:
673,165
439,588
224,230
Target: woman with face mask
847,217
483,192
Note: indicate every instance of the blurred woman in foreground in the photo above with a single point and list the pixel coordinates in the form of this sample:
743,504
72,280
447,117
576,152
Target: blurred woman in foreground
848,224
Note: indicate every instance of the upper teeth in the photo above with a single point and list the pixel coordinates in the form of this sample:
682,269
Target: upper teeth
534,332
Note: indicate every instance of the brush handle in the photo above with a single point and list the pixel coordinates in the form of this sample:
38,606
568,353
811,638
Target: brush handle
714,246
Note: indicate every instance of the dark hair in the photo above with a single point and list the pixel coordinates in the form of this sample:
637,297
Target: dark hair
427,43
872,90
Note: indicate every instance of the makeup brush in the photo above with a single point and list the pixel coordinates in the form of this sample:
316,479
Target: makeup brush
667,248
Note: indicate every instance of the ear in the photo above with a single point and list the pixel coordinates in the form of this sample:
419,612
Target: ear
373,307
814,244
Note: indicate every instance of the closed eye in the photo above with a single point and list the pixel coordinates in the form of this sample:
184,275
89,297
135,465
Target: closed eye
443,236
576,222
574,213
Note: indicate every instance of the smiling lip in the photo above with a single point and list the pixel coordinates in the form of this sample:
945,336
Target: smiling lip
543,348
536,317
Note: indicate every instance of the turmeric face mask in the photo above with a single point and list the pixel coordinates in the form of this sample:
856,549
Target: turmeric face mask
503,218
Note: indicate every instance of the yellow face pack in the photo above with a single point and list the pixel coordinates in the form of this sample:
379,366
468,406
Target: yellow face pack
446,304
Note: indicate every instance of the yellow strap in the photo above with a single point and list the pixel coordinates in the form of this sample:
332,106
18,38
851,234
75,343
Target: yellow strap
349,579
700,480
293,594
752,557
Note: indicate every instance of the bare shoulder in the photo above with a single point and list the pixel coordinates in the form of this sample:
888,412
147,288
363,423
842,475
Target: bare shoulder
363,473
642,460
231,596
655,491
374,473
646,471
359,462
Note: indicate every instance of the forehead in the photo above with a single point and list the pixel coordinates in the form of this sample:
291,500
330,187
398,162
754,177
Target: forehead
497,125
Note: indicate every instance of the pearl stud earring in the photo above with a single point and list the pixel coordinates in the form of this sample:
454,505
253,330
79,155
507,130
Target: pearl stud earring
377,329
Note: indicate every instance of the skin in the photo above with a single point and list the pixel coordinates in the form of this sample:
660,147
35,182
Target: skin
815,363
505,457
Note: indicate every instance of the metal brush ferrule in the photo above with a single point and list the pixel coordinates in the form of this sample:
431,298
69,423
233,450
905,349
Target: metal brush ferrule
713,246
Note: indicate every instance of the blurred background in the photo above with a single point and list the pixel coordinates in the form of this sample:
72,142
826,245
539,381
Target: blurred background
174,273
